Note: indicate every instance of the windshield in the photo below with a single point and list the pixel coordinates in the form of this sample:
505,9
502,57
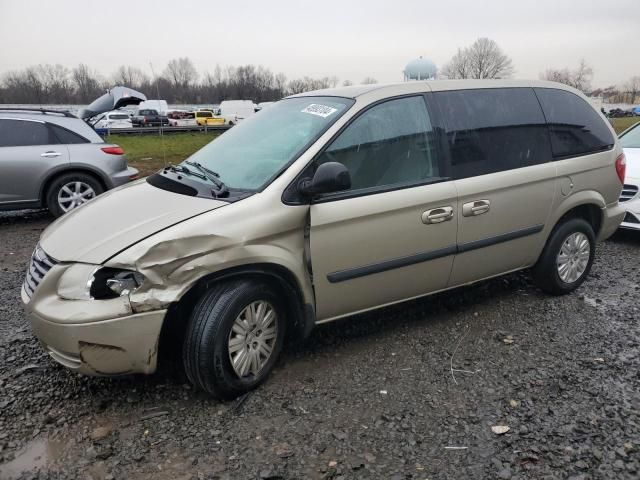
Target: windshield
251,153
631,139
118,116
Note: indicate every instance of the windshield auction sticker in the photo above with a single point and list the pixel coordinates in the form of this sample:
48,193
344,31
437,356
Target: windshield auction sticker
319,110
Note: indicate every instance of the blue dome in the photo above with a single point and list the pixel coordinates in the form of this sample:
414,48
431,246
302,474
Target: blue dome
420,69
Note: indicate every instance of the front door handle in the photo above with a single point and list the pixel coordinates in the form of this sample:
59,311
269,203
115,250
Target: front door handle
50,154
437,215
477,207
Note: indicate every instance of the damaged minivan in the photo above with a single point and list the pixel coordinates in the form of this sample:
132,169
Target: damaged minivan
326,204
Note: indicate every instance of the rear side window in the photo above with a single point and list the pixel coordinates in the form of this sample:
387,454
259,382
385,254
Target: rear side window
22,133
575,127
491,130
65,136
390,144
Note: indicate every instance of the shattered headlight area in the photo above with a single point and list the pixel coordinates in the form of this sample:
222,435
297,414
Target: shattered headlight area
112,283
86,282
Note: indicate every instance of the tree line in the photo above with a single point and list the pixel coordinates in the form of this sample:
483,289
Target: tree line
178,83
181,83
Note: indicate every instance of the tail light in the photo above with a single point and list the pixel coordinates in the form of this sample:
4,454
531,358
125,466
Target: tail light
116,150
621,167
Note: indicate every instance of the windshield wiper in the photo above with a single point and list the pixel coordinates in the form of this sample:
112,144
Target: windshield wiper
221,189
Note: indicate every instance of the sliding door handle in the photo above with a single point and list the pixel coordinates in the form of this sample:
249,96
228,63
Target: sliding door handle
477,207
437,215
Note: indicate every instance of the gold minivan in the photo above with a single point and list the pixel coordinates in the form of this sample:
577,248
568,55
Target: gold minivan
326,204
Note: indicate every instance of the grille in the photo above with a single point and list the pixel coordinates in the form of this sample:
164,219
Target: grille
628,192
39,265
629,218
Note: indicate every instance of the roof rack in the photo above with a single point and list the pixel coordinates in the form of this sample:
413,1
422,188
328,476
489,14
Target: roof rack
44,111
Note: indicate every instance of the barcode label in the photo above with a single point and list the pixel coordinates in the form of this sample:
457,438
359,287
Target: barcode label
319,110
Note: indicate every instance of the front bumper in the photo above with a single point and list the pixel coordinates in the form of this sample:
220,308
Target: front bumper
112,346
631,220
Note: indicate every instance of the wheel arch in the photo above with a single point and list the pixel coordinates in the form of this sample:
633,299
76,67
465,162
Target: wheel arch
52,176
586,205
300,315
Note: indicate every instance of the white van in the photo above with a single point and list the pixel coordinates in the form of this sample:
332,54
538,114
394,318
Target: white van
159,105
235,111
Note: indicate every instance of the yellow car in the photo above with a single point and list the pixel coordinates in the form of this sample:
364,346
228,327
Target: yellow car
206,117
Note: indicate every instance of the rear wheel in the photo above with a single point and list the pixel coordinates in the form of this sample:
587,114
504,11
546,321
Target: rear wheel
234,337
71,190
567,257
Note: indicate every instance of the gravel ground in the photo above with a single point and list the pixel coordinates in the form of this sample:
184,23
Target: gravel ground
410,392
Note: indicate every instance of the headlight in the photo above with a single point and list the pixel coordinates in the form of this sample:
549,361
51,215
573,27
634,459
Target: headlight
84,282
113,282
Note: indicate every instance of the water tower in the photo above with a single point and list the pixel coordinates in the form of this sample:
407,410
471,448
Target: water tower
420,69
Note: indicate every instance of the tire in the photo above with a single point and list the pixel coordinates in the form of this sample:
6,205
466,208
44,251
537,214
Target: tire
546,273
89,188
206,352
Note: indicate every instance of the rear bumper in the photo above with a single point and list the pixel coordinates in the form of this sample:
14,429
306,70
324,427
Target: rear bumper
123,176
612,216
109,347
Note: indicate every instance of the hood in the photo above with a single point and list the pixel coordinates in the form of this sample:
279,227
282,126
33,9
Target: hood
632,156
118,219
114,99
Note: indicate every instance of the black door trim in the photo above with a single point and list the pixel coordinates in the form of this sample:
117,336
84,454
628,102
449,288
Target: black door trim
392,264
357,272
505,237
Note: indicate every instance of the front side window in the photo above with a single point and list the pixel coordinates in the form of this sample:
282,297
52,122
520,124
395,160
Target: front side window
491,130
250,154
392,143
575,127
23,133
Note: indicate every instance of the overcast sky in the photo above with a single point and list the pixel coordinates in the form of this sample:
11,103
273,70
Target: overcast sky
351,39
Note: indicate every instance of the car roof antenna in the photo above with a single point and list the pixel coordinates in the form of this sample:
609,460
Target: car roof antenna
164,150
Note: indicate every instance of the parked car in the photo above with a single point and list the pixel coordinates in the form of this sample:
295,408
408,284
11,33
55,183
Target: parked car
630,198
113,120
325,205
207,117
149,118
51,159
181,118
619,113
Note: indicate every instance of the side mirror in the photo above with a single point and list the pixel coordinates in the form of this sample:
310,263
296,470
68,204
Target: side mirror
329,177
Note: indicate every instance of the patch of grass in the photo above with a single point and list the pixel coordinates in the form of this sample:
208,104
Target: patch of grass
621,124
147,153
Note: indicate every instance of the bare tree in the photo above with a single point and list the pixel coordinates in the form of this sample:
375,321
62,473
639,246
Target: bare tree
87,83
484,59
181,72
130,76
458,67
579,78
632,88
368,81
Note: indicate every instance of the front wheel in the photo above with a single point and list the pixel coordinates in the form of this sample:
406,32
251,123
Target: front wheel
234,337
567,257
